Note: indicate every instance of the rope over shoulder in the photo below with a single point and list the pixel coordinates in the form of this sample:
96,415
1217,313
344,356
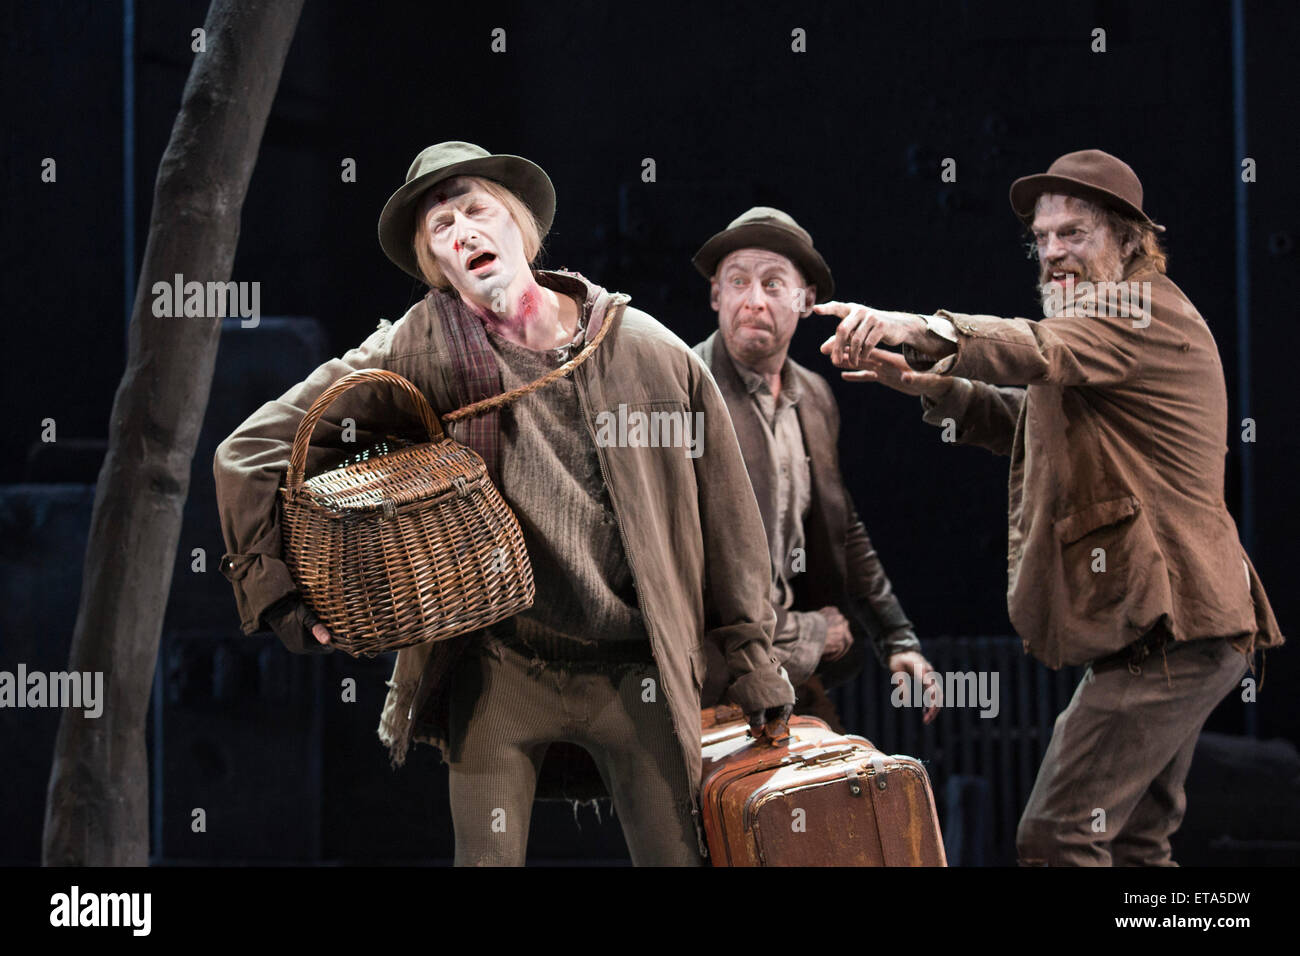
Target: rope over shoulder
506,398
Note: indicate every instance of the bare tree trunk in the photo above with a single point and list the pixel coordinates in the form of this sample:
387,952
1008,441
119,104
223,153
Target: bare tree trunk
97,808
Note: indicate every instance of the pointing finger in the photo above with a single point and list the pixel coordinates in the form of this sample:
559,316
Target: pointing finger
832,308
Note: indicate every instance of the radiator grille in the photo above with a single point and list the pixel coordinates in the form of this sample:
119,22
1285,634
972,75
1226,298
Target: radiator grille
960,747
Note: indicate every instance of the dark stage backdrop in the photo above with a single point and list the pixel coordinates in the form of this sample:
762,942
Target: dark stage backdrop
849,137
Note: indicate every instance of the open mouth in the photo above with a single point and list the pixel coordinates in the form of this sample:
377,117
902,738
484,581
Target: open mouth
1062,277
480,261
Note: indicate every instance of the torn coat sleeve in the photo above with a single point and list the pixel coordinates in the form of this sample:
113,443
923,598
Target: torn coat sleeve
738,614
251,462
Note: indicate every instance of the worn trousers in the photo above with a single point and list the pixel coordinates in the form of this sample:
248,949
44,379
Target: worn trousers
1110,789
505,708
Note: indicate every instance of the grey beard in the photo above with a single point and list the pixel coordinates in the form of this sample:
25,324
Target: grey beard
1108,268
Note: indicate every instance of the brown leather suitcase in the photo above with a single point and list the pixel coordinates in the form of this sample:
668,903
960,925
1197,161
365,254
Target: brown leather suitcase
816,798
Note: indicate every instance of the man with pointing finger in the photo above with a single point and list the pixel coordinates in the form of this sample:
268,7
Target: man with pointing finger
1121,552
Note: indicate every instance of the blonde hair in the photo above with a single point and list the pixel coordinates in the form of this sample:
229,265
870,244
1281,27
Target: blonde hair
519,212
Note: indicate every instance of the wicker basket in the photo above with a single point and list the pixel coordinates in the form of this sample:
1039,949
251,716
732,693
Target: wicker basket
404,547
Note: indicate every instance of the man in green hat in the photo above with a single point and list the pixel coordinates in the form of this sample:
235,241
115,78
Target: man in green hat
642,552
828,586
1121,550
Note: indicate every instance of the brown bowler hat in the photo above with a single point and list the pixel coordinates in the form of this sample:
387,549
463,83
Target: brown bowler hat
766,228
1088,174
443,161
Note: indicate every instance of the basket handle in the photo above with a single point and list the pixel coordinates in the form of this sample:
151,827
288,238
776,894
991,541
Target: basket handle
302,438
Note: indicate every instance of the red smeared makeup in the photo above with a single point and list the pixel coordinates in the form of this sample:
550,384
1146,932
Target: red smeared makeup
528,306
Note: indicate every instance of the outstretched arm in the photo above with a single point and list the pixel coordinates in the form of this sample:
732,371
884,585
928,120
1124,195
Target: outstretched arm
1087,346
962,365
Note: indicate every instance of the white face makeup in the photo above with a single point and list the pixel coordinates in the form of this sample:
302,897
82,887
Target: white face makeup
474,240
757,294
1074,245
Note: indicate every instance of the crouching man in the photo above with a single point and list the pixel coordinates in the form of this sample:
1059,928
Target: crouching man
639,554
829,587
1121,552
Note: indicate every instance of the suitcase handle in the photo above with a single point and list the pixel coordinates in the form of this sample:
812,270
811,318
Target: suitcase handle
774,733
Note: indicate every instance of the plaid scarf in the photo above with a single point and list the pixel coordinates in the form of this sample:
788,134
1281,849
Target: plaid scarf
476,375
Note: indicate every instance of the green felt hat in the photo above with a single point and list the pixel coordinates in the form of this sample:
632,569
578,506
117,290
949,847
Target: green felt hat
443,161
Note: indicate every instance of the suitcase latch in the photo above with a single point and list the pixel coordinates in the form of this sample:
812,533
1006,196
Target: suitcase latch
878,768
855,782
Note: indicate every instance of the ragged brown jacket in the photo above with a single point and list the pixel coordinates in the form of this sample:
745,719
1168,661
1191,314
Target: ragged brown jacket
1117,432
691,527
